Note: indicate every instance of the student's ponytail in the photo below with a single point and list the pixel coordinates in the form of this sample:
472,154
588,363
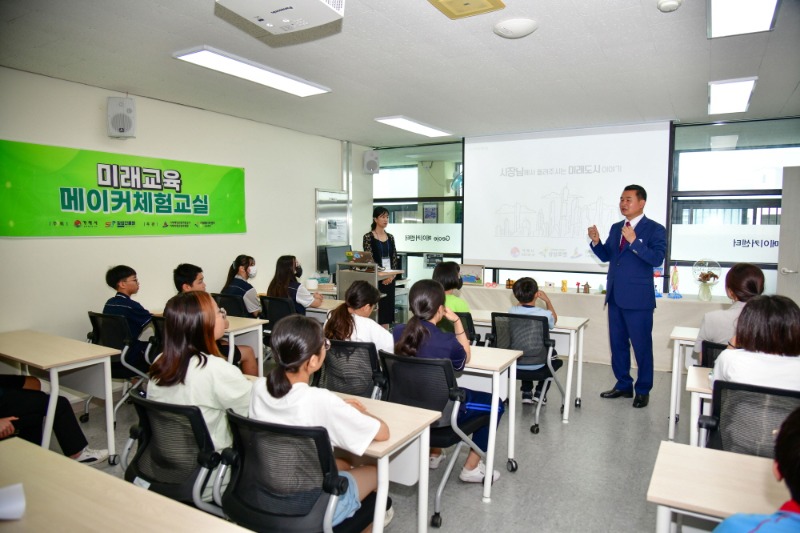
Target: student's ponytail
340,324
425,299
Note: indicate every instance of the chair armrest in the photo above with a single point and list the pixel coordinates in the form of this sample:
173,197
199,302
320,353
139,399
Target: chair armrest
457,395
551,343
336,485
229,456
708,422
208,460
490,339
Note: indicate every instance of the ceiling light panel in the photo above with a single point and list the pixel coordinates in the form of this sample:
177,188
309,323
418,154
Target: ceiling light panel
730,96
413,126
738,17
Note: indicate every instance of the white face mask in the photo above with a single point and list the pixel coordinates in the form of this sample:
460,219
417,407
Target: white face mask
252,271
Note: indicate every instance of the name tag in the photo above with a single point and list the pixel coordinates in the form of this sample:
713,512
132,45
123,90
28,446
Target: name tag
386,263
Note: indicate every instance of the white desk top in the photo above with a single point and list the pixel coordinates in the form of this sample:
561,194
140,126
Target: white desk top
683,333
714,483
491,359
237,323
64,495
697,380
484,317
45,351
328,304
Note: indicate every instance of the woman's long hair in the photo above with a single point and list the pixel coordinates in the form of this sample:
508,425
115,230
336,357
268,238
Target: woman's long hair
240,261
284,274
769,324
340,324
294,340
189,320
424,300
378,211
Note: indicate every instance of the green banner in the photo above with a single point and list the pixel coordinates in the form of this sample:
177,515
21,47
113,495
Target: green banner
50,191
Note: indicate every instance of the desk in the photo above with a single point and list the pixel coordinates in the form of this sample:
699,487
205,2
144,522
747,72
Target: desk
321,313
406,425
250,332
572,326
495,361
62,494
681,337
711,484
699,385
78,365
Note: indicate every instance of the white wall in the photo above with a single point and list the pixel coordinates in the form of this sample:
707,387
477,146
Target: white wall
50,283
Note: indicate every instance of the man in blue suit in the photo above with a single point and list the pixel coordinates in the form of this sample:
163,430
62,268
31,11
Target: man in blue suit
634,247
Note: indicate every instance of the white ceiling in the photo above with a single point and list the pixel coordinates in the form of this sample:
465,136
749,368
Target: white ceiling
590,63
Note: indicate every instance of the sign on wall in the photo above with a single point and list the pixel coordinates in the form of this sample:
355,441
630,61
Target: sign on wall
51,191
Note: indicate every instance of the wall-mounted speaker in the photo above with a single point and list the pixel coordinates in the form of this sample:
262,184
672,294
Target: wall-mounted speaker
372,163
121,119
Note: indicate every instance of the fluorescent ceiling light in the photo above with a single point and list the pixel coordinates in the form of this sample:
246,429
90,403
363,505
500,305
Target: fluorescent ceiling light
414,127
737,17
730,96
208,57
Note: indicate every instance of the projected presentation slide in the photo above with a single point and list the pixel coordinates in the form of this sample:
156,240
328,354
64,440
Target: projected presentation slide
529,198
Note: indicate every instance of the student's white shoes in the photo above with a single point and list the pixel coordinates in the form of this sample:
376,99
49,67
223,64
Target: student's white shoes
477,475
435,460
91,456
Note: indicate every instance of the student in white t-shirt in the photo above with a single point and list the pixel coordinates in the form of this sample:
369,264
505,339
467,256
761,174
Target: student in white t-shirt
351,320
285,397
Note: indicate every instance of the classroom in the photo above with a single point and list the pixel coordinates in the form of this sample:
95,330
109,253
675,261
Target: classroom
611,64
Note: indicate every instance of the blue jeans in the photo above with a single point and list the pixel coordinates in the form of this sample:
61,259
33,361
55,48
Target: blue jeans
478,404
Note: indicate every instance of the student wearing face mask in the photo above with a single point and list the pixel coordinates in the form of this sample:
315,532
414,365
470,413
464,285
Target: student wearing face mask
242,269
285,285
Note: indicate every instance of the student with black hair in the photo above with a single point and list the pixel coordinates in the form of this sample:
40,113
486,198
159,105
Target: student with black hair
448,274
123,279
285,284
285,397
351,321
241,270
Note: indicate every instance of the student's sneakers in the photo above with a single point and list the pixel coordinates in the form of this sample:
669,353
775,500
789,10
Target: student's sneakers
527,397
435,460
389,515
537,398
477,475
91,456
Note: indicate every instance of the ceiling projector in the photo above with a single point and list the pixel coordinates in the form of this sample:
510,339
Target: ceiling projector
287,16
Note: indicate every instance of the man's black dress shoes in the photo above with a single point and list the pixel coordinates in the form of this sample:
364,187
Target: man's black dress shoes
641,400
614,393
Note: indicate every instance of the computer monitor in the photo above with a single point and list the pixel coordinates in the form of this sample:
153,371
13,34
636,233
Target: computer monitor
336,254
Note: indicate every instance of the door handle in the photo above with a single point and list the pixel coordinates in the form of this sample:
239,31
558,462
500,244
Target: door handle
788,271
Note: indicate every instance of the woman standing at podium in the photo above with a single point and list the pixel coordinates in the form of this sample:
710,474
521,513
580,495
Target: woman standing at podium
381,245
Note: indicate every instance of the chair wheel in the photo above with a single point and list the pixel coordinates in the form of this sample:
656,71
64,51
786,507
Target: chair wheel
511,465
84,417
577,402
535,429
436,520
113,459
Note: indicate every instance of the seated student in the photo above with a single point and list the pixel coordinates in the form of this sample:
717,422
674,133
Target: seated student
421,338
23,408
351,320
188,277
766,347
285,397
242,269
787,468
743,282
526,291
285,285
123,279
191,371
448,274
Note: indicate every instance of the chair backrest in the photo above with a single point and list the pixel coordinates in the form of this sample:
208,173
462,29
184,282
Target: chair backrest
170,440
420,382
710,351
749,417
469,327
531,334
156,343
233,304
276,308
110,330
282,477
352,368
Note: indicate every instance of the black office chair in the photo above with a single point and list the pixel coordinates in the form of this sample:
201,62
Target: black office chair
274,309
233,305
431,384
469,326
746,418
113,331
709,352
175,456
156,343
352,368
531,335
284,479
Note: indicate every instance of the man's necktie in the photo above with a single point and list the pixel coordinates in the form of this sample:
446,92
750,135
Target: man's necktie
622,240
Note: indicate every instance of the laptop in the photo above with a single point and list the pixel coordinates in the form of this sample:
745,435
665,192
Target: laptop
364,257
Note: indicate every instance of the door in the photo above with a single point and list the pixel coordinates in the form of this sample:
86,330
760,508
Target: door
789,251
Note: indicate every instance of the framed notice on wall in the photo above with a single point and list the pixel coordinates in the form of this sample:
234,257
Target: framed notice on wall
52,191
430,213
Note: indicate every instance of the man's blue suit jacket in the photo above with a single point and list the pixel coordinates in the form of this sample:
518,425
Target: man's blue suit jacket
630,272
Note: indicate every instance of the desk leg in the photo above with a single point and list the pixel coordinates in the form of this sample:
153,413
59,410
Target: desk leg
260,351
422,488
694,415
580,368
109,401
570,368
487,482
663,519
511,415
51,409
383,494
674,393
